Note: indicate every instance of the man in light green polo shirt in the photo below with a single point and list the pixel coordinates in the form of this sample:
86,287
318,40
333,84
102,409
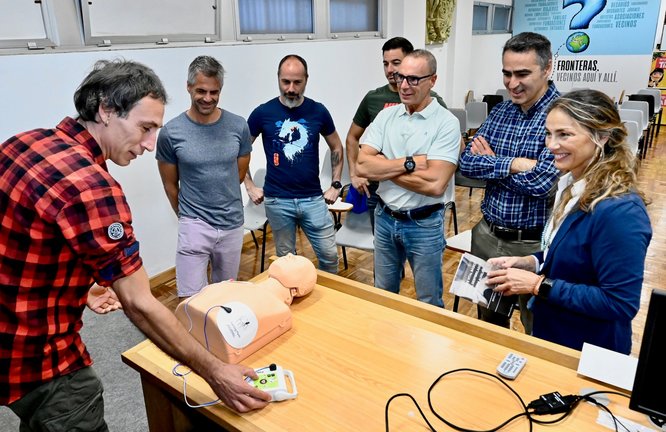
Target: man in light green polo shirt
412,150
393,51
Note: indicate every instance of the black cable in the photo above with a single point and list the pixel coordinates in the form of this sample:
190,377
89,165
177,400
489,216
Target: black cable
615,420
588,397
570,403
418,407
432,386
605,392
462,429
548,404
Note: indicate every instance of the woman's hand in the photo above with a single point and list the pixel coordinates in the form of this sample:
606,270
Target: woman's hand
525,262
513,281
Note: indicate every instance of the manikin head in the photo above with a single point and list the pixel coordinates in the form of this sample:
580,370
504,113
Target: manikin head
295,273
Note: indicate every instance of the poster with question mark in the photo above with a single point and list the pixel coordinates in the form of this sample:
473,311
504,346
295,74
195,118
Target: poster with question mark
592,39
582,18
607,27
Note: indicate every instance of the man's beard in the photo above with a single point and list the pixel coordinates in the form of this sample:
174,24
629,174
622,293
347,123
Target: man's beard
292,103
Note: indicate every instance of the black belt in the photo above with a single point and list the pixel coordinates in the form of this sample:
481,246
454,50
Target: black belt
514,234
413,214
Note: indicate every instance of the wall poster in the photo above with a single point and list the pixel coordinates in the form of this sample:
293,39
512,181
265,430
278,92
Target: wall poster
600,44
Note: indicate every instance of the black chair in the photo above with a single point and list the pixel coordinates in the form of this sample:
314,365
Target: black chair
492,100
656,94
651,114
471,183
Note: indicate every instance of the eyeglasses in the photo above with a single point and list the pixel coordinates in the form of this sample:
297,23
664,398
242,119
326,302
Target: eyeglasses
412,80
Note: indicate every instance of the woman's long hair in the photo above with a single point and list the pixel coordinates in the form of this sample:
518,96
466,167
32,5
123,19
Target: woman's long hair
612,172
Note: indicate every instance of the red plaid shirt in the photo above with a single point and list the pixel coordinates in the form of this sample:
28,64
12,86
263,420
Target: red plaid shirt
64,222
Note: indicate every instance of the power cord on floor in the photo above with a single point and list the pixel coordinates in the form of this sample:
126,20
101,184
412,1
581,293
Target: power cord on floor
547,404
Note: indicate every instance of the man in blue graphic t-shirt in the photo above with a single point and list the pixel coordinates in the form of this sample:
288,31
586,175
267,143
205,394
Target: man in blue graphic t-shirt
290,126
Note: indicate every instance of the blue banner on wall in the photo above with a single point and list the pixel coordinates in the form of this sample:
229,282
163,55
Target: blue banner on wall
591,27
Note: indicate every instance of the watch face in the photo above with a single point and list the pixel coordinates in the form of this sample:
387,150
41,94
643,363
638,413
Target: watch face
336,184
545,287
410,165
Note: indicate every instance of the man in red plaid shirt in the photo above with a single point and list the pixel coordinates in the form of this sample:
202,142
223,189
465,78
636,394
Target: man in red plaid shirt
64,224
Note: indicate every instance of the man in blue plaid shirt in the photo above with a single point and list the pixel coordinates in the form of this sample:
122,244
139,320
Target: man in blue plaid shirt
509,152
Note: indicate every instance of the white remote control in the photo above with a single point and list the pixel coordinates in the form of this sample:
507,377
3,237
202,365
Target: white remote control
511,366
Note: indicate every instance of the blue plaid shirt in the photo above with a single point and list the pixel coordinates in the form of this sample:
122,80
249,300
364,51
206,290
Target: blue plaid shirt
518,200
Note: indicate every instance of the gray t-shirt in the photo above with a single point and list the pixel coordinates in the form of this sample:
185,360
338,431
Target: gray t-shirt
206,156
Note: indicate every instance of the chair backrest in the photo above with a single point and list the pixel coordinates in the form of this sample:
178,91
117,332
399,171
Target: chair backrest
450,192
461,180
461,115
645,98
356,231
633,135
326,174
633,115
656,95
259,176
346,178
638,106
504,93
492,100
476,114
255,214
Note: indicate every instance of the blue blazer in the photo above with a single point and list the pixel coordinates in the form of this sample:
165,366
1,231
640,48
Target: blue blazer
596,261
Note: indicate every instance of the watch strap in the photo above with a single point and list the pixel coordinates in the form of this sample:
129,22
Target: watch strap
410,165
544,288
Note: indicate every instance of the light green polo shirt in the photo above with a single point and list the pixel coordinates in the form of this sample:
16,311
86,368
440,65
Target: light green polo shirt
434,131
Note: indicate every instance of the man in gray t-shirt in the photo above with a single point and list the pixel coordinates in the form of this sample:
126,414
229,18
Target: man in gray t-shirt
203,155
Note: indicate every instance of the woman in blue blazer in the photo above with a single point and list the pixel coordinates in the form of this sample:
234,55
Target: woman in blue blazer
586,283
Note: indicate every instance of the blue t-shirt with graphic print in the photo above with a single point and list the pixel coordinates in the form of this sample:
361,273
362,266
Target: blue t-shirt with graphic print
291,144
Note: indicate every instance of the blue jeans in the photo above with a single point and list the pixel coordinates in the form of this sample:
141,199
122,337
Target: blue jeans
421,242
312,215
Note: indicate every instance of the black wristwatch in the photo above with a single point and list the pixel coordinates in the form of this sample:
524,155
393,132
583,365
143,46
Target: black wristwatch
336,184
410,165
545,287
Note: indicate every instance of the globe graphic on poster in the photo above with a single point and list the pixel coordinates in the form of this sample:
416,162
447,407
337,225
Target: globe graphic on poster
578,42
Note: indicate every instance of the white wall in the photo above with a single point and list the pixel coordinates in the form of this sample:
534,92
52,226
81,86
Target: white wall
37,91
486,70
474,62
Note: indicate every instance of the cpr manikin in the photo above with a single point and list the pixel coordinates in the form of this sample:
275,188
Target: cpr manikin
234,319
